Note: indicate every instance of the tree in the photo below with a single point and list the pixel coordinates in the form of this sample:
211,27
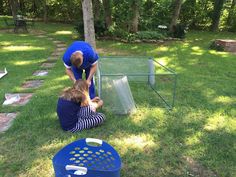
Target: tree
45,11
175,16
218,6
189,13
135,16
89,32
96,9
14,7
231,12
107,12
1,7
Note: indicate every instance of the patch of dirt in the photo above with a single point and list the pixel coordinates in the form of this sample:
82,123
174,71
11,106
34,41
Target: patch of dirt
196,169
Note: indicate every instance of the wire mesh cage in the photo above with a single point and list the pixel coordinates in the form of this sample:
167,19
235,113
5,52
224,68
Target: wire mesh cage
150,83
88,158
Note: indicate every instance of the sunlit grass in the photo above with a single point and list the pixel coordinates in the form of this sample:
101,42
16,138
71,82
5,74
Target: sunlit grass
151,142
137,142
63,32
224,100
20,63
22,48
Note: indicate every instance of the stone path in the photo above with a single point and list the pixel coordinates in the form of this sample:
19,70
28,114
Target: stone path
41,73
48,65
32,84
6,120
21,99
17,99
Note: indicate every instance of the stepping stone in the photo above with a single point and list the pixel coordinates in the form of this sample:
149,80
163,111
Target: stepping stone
58,42
50,38
17,99
32,84
60,49
41,36
56,54
41,73
6,120
48,65
61,45
53,58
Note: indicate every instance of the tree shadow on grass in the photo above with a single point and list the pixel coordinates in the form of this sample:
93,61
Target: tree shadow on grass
151,143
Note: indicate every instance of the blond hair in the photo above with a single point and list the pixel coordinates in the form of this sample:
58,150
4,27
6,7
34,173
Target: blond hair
78,93
83,87
72,94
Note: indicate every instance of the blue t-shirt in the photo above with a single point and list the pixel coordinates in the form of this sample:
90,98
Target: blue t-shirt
89,55
67,113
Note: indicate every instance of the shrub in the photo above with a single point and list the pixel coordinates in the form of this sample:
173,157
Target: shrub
150,35
179,31
98,25
117,32
79,28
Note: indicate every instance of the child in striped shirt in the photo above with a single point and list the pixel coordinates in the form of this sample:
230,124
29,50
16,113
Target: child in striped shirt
75,109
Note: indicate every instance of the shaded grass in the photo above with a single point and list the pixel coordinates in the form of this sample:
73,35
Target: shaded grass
153,141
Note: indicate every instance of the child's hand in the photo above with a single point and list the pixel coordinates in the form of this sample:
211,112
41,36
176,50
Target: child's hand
96,99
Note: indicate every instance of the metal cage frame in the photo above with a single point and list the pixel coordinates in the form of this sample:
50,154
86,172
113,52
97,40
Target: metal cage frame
100,75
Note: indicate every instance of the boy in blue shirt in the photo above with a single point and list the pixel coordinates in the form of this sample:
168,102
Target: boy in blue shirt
79,57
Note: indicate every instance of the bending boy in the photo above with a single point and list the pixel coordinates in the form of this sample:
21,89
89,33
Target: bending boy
80,57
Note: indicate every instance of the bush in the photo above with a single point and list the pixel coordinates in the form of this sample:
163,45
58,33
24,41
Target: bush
179,31
98,25
117,32
150,35
79,28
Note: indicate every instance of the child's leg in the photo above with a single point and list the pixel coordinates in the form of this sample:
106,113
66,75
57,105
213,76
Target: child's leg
89,122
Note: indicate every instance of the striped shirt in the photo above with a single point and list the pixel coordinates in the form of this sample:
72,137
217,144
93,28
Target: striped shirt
87,118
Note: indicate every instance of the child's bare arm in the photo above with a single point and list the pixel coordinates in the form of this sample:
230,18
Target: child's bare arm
97,102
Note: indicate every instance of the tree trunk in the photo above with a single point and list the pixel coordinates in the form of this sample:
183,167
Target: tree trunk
175,16
97,9
135,17
230,15
21,5
14,7
218,5
45,11
1,7
107,12
89,32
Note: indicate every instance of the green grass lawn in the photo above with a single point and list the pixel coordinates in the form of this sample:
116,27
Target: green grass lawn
152,142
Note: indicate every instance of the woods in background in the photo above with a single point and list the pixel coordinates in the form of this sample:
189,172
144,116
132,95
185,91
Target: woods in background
132,15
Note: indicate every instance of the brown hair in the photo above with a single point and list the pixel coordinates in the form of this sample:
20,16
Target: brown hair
77,93
76,59
82,86
72,94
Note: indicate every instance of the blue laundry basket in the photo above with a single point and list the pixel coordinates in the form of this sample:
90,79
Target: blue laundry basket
87,158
